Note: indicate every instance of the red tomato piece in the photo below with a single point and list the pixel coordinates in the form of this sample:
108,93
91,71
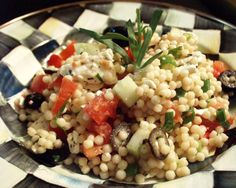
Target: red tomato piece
219,67
38,85
129,53
55,60
66,91
100,108
103,130
92,152
210,126
56,82
68,51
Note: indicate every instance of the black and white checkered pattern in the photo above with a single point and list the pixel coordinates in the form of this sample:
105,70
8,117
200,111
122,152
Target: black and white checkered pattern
25,43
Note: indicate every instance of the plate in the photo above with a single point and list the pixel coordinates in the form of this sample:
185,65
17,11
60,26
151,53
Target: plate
26,41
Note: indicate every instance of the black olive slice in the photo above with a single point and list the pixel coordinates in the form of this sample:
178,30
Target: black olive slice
52,157
153,141
33,101
228,81
115,141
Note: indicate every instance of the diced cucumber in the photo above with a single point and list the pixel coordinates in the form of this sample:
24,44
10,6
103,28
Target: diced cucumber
137,139
90,48
126,90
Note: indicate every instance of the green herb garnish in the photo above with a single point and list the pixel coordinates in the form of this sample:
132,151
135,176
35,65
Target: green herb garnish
132,169
180,92
138,40
98,76
188,116
221,118
169,121
206,85
176,52
167,62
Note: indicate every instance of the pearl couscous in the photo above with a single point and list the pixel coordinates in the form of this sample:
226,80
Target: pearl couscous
126,123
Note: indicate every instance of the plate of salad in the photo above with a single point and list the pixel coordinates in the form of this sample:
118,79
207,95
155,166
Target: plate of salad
92,96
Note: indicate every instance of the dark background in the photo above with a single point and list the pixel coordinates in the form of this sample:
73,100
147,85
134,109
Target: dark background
223,9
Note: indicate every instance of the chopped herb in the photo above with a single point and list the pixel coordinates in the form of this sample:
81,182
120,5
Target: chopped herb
206,85
98,76
221,118
180,92
188,116
167,62
169,121
176,52
132,169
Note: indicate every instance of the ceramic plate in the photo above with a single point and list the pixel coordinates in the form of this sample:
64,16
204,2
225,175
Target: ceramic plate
25,43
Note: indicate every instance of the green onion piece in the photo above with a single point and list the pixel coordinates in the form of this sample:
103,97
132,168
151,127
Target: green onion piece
206,85
98,76
176,52
132,169
221,118
180,92
167,62
188,116
169,121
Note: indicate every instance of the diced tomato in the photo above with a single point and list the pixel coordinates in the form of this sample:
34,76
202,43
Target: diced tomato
130,54
219,67
55,60
103,129
92,152
100,108
59,132
38,85
231,120
66,91
56,82
68,51
210,126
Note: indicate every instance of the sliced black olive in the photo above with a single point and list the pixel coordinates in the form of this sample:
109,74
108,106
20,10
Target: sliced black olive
33,101
153,141
228,81
115,141
52,157
121,30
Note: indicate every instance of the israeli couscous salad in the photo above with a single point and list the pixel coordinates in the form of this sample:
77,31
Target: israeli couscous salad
130,105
